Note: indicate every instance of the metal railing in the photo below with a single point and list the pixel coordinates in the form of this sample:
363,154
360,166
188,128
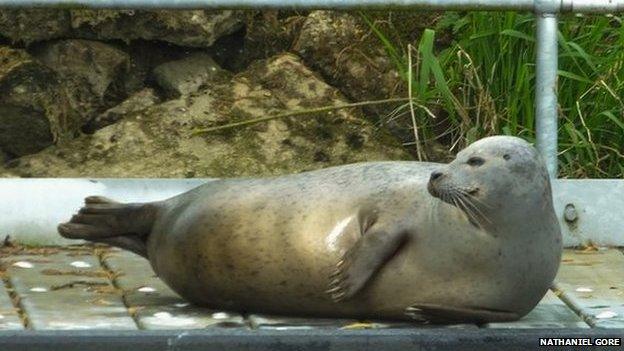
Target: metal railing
538,6
545,10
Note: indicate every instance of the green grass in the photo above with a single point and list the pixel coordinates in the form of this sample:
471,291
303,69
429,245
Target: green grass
482,83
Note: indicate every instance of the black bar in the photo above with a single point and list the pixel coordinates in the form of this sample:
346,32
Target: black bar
319,339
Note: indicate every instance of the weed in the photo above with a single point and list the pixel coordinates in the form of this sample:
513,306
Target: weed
484,82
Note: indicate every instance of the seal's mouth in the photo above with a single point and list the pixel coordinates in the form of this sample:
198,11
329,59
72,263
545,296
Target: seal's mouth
464,199
473,192
433,190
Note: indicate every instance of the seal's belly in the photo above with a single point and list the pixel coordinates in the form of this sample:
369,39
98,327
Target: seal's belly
271,260
257,257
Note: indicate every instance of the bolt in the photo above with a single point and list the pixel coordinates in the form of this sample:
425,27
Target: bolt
570,214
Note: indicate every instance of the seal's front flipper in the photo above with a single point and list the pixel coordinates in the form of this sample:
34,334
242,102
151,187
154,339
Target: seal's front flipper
361,261
432,313
105,220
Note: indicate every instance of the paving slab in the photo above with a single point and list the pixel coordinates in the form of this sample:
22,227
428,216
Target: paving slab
276,322
9,317
154,305
67,290
592,283
551,312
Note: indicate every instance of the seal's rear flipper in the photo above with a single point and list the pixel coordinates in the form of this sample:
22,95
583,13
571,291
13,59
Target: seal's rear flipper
437,314
115,223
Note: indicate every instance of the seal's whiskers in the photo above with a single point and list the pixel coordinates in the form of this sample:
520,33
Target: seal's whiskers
468,200
474,198
461,204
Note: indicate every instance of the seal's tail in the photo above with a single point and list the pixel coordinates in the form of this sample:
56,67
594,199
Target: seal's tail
119,224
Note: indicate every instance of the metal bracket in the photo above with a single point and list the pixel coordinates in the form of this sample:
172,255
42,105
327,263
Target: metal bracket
548,6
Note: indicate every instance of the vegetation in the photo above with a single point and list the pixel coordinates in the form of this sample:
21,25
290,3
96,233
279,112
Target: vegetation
482,83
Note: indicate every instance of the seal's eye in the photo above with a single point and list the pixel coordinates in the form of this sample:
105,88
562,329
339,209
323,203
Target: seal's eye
475,161
506,157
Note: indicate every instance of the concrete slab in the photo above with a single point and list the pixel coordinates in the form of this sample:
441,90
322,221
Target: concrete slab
551,312
9,317
274,322
592,283
262,321
156,306
67,290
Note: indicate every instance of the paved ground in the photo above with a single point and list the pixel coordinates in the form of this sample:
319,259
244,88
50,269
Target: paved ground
83,287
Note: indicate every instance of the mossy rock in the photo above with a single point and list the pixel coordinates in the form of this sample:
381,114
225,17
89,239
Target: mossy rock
26,26
34,109
159,141
193,28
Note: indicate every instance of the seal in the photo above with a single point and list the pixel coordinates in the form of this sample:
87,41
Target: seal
476,240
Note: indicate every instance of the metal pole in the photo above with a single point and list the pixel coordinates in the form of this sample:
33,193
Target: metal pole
592,6
556,6
546,64
476,5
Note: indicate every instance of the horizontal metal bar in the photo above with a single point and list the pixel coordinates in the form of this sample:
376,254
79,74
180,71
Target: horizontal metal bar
319,339
30,209
592,6
291,4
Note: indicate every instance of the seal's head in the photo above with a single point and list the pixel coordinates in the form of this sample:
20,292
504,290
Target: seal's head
491,175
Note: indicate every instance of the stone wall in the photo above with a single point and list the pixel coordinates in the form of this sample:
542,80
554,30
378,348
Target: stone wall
87,93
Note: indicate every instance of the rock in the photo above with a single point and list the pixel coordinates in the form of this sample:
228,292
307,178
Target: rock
33,25
335,44
6,173
147,55
348,54
34,110
23,131
135,103
94,73
4,157
187,75
159,142
196,28
267,34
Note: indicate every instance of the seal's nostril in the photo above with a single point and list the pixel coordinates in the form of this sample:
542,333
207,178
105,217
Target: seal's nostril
435,175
